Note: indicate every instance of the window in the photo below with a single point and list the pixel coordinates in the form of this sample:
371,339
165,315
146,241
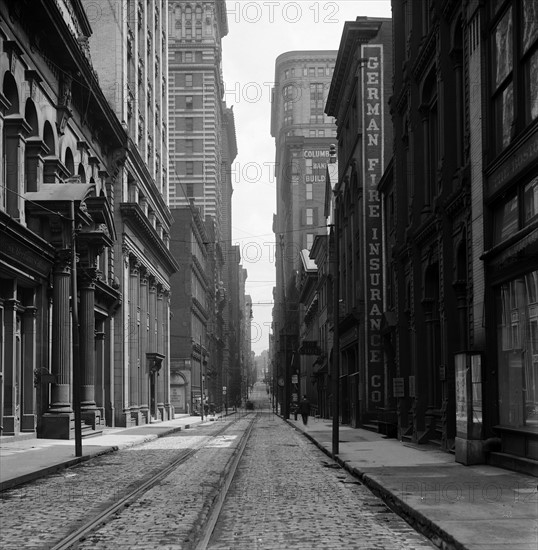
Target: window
189,102
189,168
198,33
309,192
514,69
188,80
311,71
286,74
517,351
189,124
188,57
308,166
188,32
530,201
189,146
516,212
309,219
430,137
321,71
309,240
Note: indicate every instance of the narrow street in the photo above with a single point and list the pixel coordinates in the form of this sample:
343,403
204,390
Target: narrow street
285,494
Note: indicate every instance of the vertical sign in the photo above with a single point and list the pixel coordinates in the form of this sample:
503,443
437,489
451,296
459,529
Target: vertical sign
372,150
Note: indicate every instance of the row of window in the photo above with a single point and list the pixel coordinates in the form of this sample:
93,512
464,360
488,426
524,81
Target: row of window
187,57
308,71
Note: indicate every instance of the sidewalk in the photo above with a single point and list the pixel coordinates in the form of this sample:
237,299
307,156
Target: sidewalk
26,459
465,507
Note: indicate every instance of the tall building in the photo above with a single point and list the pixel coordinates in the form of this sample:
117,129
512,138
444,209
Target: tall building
202,149
197,112
303,133
129,49
358,99
60,143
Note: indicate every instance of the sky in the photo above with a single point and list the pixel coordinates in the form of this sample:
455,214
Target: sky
259,31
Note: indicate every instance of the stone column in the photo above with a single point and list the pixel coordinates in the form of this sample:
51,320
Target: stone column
16,129
86,362
58,421
134,339
11,421
143,372
28,420
100,371
169,410
160,349
35,153
61,334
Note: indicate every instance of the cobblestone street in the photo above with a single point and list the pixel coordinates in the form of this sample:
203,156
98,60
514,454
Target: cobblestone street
288,495
38,514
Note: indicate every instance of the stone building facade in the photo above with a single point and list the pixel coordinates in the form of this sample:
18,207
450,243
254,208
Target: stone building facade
129,46
60,155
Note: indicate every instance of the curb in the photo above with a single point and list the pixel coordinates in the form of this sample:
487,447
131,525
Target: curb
38,474
413,517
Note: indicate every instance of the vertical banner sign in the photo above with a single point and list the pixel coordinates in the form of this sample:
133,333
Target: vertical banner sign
372,150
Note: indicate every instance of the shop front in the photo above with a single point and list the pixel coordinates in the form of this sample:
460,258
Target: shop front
516,304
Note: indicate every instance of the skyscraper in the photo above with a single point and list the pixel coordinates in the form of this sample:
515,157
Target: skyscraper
129,48
303,134
198,114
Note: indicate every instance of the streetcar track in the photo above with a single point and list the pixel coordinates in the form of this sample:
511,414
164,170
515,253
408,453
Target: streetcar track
209,525
102,517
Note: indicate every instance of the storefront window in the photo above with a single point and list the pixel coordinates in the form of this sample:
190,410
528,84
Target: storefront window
517,343
530,201
506,220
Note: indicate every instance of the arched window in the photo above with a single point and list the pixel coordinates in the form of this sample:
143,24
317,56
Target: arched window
69,162
457,59
82,173
31,151
48,138
430,125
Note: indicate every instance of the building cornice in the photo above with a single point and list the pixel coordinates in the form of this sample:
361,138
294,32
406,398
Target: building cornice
132,211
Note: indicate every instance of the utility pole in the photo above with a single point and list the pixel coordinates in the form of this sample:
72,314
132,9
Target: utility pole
201,381
336,330
76,336
286,392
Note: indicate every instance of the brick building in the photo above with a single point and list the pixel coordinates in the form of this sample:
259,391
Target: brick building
357,98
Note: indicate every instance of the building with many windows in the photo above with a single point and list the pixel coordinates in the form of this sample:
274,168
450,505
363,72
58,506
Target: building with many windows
302,135
197,110
358,96
129,48
460,218
61,152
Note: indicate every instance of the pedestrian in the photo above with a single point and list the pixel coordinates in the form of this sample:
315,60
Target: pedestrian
304,409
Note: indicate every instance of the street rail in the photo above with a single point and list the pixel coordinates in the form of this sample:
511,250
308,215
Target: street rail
102,518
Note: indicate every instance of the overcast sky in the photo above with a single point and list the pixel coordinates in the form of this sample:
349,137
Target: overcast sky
259,31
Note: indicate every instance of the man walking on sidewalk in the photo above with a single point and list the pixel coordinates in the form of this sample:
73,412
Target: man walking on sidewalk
304,409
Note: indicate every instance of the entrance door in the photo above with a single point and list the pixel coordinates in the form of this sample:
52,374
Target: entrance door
153,395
